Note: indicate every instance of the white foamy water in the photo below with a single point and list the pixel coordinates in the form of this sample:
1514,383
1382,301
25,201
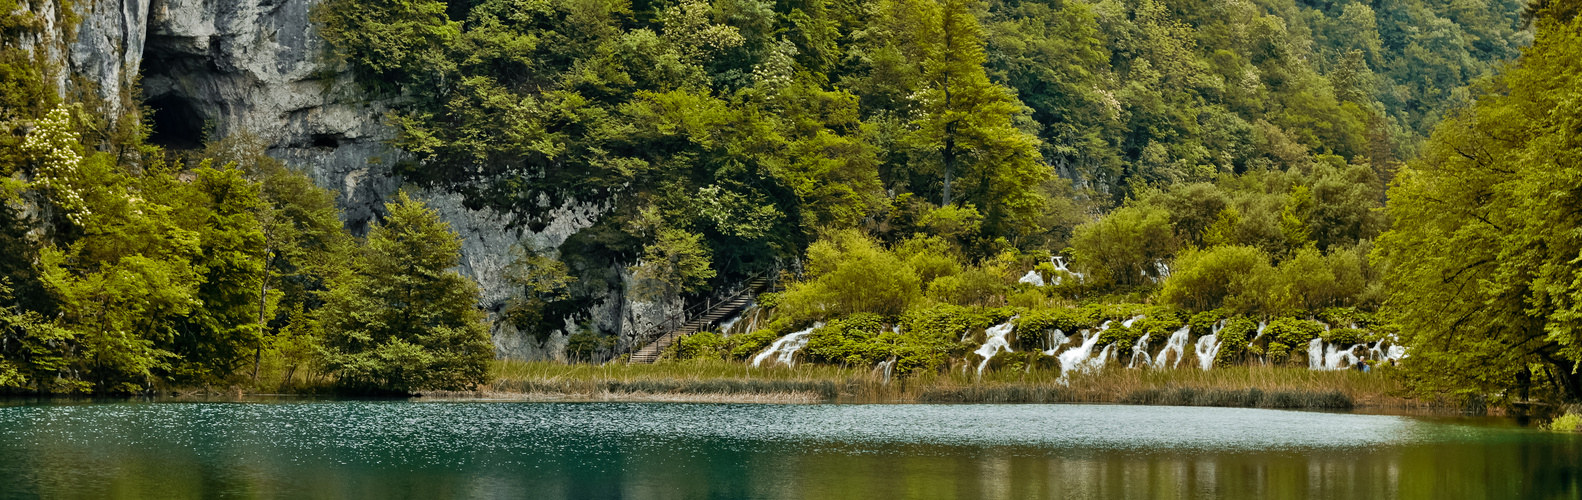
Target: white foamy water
1176,344
784,348
994,343
1032,278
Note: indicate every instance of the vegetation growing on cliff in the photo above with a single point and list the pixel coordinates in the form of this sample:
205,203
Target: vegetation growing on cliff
918,164
735,133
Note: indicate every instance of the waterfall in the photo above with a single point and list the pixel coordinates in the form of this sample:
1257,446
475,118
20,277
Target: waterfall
752,326
884,368
1161,271
1060,265
994,343
725,328
1333,357
1032,278
1074,357
1054,341
1097,362
1176,344
1133,319
1315,354
1261,325
1207,348
1397,352
1140,351
786,347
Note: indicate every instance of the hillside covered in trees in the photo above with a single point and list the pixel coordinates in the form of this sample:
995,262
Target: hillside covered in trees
901,162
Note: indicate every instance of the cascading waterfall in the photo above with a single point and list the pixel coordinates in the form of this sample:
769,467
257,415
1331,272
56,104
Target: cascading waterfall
725,328
1060,265
1322,356
1054,340
884,368
1334,356
752,326
785,347
1097,362
1207,347
1074,358
1032,278
1397,352
1261,325
1161,271
1140,352
1176,344
994,342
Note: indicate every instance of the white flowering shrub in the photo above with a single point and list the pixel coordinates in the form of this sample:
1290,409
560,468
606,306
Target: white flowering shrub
58,150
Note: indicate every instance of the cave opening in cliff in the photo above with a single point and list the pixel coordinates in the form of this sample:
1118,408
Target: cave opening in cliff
177,123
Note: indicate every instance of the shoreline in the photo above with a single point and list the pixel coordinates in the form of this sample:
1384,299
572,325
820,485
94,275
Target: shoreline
720,381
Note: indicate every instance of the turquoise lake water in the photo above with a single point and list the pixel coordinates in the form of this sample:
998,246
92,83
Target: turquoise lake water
405,449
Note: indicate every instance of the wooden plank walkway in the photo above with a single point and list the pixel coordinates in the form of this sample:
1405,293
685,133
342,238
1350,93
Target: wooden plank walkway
650,353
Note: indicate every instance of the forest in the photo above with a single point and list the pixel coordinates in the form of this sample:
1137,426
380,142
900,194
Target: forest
1397,167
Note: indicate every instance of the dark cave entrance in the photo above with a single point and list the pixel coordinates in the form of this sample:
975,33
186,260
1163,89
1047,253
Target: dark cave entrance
177,123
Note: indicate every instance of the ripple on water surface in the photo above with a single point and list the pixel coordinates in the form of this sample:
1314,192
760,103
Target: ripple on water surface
452,426
468,449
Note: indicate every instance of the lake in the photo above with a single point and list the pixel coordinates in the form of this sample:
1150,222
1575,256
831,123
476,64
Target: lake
470,449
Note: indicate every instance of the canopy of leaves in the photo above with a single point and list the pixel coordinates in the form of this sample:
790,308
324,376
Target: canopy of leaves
1483,253
405,319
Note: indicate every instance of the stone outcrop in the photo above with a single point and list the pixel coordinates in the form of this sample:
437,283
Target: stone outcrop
218,67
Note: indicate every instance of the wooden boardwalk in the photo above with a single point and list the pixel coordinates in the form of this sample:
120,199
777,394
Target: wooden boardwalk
650,353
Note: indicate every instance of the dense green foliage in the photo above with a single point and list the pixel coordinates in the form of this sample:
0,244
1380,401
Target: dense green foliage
157,270
1484,248
404,319
729,135
129,267
918,166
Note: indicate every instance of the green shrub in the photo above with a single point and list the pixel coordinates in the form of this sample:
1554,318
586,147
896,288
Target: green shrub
1570,422
748,344
407,320
1288,338
1234,339
972,287
1203,322
701,345
1345,337
850,340
1220,276
1123,246
930,256
768,300
1033,326
1123,338
849,273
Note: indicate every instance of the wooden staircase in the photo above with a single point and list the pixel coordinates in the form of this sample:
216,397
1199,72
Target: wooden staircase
711,314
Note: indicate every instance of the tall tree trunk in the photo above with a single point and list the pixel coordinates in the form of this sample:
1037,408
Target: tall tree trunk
263,302
1570,380
950,127
949,154
258,350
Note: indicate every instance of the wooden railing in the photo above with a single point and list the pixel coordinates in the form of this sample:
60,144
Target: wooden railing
676,321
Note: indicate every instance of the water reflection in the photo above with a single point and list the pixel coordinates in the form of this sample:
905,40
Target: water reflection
540,450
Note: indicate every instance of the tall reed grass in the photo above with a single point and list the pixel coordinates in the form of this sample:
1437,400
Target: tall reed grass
1268,387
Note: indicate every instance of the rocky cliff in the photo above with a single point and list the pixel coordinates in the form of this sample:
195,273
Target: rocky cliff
210,68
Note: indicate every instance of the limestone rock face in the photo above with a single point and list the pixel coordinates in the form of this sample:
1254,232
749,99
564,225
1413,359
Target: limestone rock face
211,68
